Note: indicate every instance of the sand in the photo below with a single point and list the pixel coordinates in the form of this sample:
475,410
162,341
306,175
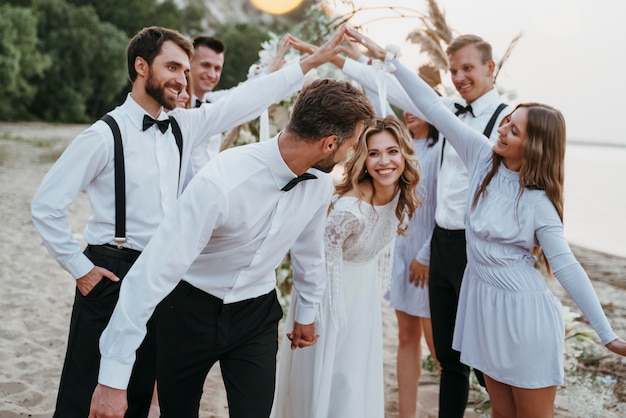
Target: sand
36,295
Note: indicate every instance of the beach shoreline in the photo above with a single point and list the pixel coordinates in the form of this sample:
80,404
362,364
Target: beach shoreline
38,294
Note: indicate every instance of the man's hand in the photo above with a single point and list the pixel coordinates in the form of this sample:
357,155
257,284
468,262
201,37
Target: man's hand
302,335
279,59
324,53
376,51
89,280
418,274
108,402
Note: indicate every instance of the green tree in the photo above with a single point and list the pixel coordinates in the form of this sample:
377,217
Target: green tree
134,16
21,64
243,42
88,62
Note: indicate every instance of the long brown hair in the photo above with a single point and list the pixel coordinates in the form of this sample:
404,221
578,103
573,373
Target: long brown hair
543,155
355,172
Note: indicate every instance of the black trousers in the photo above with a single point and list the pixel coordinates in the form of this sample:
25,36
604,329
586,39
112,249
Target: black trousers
447,264
90,315
195,329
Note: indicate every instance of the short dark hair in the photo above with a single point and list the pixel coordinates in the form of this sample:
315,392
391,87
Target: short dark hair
211,42
147,44
328,107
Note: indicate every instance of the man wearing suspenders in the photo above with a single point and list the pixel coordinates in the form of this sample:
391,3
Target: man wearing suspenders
154,155
472,71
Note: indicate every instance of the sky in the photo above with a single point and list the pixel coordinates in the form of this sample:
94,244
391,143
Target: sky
572,54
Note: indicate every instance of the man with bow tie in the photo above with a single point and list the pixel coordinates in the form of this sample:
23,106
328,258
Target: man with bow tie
208,273
205,72
151,162
472,72
207,64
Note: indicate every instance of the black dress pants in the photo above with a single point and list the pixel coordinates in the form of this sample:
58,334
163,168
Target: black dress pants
90,315
447,264
195,330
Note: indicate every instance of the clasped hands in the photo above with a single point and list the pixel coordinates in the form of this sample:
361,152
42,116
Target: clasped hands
349,37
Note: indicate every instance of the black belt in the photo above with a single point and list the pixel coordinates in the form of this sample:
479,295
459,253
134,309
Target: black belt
125,254
443,231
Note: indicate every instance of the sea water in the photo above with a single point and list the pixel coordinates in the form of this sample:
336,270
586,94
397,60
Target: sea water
595,196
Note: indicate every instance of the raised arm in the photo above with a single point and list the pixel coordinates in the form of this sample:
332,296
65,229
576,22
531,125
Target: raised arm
467,142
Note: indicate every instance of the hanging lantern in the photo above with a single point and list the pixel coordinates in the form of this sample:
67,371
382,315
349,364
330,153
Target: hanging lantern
276,7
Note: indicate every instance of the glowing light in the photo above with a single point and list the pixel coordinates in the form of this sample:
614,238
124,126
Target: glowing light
276,7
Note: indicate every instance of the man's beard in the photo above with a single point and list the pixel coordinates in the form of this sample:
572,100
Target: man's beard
327,163
157,92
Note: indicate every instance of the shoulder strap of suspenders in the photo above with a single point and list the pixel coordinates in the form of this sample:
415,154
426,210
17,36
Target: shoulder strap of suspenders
492,121
120,176
120,184
178,136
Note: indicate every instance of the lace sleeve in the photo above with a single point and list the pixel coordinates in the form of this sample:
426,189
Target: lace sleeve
340,225
385,264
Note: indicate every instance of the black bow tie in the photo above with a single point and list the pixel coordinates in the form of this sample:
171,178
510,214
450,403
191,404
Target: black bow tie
162,124
460,109
292,183
201,102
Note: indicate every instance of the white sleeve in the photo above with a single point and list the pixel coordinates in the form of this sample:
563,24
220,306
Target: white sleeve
309,268
468,143
339,226
366,76
79,164
177,242
240,105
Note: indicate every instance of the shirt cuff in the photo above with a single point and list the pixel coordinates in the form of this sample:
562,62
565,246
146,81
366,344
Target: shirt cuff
293,73
79,265
305,312
114,374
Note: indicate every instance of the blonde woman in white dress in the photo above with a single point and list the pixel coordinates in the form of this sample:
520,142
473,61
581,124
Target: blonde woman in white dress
342,375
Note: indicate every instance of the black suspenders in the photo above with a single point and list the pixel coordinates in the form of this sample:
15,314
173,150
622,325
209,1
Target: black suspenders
492,121
120,176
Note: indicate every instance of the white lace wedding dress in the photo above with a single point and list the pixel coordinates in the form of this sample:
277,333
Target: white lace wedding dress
341,376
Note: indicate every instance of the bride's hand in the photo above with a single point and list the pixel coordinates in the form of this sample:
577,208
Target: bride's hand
376,51
618,346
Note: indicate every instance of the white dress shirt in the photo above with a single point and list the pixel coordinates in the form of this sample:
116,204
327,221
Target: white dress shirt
453,178
201,155
151,163
453,181
226,235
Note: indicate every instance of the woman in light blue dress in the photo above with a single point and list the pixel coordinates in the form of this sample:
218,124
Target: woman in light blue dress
509,324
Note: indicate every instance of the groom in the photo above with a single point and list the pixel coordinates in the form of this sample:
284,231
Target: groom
210,265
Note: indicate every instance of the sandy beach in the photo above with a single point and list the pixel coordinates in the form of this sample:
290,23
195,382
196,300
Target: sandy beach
37,297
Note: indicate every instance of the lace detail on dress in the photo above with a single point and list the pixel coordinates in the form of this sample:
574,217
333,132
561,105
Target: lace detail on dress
357,232
385,265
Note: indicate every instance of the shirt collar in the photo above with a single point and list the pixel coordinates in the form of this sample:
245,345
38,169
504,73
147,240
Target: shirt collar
485,102
135,112
281,173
